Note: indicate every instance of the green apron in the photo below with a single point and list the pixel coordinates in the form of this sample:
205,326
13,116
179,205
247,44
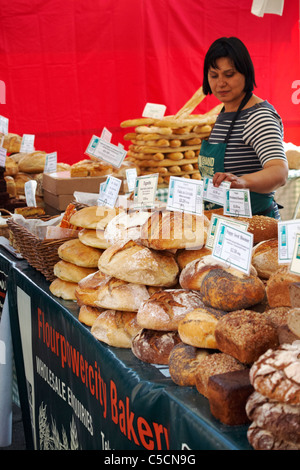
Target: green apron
211,161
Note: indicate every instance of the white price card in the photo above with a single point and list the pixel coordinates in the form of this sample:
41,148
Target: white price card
238,203
51,163
215,220
131,175
233,246
110,153
287,231
109,192
3,125
27,144
213,194
91,148
295,263
155,111
185,195
106,135
3,152
30,190
145,191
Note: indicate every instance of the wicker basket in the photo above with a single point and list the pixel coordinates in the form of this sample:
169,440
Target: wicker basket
4,230
40,254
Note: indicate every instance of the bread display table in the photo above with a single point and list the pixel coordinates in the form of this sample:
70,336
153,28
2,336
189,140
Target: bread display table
82,394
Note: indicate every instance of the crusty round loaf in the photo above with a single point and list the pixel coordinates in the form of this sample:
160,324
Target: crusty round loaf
87,315
71,272
221,286
132,262
94,238
185,256
73,251
154,347
126,226
116,328
106,292
265,258
281,419
245,335
63,289
278,316
261,226
183,363
276,374
213,364
293,321
94,217
261,439
197,328
277,287
164,309
166,230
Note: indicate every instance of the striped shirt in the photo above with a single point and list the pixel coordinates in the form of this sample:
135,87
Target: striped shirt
256,138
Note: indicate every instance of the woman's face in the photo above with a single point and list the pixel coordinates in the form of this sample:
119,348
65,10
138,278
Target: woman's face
226,83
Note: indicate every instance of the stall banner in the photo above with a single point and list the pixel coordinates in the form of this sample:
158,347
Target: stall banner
4,270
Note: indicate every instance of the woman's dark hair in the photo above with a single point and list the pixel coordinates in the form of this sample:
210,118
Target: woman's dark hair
236,51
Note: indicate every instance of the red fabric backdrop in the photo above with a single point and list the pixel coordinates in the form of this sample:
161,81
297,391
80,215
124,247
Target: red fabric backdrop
72,67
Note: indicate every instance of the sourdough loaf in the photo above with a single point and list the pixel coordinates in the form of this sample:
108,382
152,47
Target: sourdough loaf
183,363
94,238
126,226
87,315
278,287
185,256
265,258
261,439
293,321
71,272
115,328
94,217
75,252
63,289
154,346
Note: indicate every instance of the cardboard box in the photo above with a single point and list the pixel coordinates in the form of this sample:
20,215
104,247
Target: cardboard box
58,201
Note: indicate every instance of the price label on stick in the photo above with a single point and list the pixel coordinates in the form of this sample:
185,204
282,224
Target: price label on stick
185,195
51,163
237,203
30,190
215,220
213,194
295,263
3,125
131,175
3,153
287,232
27,144
110,153
145,191
109,192
155,111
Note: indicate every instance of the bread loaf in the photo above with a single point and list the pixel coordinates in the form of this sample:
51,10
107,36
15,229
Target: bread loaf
165,230
197,328
126,226
278,316
132,262
106,292
87,315
164,309
185,256
221,286
73,251
183,363
115,328
94,217
277,287
33,162
94,238
293,321
276,374
71,272
265,258
245,335
294,291
261,439
228,394
213,364
63,289
154,346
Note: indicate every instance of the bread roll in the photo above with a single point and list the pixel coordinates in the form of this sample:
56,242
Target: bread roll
63,289
154,347
87,314
277,287
93,217
221,286
106,292
276,374
245,335
73,251
261,439
185,256
265,258
116,328
293,321
71,272
164,309
138,264
213,364
197,328
183,363
94,238
166,230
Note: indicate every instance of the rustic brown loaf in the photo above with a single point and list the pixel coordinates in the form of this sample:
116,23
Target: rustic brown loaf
294,291
116,328
197,328
221,286
126,226
281,419
154,346
103,291
94,217
183,363
213,364
265,258
94,238
293,321
33,162
185,256
245,335
164,309
63,289
132,262
174,230
278,316
277,287
276,374
261,439
87,315
228,394
71,272
73,251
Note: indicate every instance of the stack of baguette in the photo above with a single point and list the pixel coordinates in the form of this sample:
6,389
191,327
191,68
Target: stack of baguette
170,146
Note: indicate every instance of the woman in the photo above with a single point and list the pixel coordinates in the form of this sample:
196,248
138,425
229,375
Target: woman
245,146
